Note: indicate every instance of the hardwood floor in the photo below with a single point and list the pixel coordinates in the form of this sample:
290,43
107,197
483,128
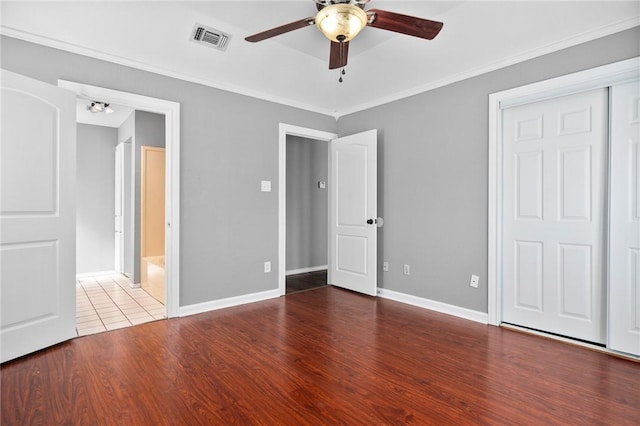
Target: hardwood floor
307,281
321,357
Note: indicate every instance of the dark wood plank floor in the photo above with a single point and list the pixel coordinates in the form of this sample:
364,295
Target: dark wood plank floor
307,281
321,357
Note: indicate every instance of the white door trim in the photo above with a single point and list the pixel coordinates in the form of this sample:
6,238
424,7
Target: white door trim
171,111
284,131
594,78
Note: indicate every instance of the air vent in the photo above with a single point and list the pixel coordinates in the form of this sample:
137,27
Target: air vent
211,37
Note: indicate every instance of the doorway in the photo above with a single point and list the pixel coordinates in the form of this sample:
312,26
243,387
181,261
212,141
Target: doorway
115,187
287,132
152,210
171,112
306,213
352,208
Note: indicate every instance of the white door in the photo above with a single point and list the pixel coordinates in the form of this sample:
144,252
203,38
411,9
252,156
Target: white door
352,204
37,215
624,237
119,201
553,215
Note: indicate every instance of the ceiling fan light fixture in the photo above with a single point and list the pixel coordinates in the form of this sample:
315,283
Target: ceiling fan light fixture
341,22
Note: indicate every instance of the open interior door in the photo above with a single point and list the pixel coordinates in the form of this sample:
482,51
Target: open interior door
37,215
353,212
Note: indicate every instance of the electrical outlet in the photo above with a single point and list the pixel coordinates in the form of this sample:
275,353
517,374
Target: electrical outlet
474,281
267,267
406,269
385,266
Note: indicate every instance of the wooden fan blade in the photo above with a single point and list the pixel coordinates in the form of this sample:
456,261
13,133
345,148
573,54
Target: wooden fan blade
338,54
404,24
281,29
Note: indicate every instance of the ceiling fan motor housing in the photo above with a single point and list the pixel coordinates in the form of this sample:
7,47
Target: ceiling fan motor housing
322,3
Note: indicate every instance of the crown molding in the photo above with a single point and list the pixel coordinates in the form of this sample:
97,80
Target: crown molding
587,36
336,113
95,54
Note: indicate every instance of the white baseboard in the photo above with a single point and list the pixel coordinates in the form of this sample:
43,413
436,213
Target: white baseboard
433,305
213,305
305,270
95,274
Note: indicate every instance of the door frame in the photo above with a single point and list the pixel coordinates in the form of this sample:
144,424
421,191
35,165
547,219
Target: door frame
595,78
171,112
284,131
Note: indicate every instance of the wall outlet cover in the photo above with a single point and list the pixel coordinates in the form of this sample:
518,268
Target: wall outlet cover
474,281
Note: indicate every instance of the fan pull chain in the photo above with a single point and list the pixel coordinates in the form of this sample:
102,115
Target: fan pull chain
341,40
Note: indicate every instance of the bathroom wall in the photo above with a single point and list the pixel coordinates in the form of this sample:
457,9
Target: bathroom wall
95,202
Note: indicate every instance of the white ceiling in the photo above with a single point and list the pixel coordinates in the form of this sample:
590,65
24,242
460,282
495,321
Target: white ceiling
477,36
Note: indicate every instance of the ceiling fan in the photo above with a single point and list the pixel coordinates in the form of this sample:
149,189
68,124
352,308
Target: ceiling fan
341,20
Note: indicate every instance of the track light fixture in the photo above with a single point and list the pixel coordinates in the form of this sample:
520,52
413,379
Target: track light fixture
97,106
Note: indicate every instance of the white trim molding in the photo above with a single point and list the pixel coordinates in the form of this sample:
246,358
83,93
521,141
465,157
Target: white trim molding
433,305
591,79
284,131
171,111
96,274
228,302
306,270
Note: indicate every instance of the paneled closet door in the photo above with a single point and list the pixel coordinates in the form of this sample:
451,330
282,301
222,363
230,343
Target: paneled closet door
553,215
624,238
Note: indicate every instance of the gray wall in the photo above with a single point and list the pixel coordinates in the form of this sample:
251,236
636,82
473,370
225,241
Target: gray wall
433,151
95,202
149,130
307,215
433,171
228,227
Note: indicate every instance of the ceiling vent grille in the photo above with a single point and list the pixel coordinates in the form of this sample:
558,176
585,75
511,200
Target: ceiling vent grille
211,37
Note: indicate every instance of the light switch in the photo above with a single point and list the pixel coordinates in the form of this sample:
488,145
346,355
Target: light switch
322,184
265,186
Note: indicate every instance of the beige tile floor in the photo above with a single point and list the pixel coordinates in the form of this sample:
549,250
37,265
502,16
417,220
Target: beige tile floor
107,302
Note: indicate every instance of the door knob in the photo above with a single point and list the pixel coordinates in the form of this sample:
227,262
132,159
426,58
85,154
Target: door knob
371,221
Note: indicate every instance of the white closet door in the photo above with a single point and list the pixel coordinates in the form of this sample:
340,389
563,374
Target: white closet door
624,238
553,221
